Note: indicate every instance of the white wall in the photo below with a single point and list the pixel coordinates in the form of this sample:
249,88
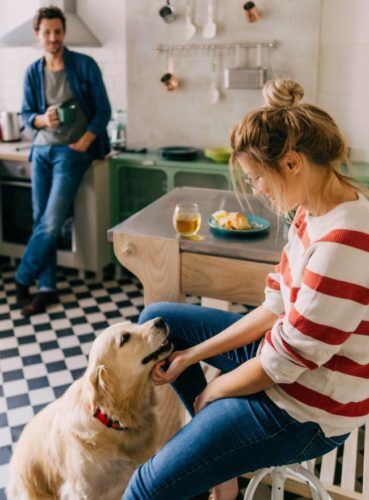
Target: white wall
105,18
344,67
158,118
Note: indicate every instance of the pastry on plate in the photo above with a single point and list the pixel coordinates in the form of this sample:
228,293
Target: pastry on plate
231,220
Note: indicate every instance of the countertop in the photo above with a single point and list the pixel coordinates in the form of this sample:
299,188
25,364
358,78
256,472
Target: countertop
8,150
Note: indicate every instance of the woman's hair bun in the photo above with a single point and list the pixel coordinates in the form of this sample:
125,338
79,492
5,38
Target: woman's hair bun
282,93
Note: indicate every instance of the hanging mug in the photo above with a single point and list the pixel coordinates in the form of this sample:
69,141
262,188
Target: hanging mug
251,12
170,81
167,13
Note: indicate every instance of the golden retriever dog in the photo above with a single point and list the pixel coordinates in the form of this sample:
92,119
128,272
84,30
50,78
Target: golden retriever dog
87,443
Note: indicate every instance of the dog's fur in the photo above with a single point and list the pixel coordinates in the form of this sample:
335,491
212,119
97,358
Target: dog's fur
65,452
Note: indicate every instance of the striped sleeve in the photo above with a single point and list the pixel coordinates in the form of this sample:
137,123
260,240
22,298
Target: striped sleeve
327,309
273,297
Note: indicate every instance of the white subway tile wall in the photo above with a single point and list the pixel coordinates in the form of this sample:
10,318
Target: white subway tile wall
344,88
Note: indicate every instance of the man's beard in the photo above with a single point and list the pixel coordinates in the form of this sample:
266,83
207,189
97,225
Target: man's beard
54,49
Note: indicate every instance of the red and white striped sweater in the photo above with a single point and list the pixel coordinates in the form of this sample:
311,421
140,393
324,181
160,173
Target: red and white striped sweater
317,352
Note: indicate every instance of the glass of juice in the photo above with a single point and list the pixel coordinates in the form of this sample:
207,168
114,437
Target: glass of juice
187,219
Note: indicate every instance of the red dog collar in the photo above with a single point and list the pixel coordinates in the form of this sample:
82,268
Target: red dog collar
109,422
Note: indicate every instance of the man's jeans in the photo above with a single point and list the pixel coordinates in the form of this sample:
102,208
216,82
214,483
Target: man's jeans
57,172
229,436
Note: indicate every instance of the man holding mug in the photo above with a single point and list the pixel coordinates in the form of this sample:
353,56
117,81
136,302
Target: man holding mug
65,100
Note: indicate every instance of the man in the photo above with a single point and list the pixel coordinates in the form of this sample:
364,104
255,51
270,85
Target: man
61,152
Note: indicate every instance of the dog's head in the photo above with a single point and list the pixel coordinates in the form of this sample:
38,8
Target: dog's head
120,363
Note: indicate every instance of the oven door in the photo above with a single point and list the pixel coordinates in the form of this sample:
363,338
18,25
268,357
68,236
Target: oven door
16,214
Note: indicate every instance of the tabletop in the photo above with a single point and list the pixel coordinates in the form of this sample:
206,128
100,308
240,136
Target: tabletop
155,220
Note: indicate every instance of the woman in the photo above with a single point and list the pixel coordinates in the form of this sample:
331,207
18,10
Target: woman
295,369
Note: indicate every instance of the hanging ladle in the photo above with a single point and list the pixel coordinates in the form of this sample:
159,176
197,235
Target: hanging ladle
214,91
190,28
209,30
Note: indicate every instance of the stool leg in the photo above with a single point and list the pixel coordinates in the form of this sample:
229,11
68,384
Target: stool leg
316,486
254,483
278,480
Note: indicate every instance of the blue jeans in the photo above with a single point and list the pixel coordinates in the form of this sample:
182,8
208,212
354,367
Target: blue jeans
230,436
57,172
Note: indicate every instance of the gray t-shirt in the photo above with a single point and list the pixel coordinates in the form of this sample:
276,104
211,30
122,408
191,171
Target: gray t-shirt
58,91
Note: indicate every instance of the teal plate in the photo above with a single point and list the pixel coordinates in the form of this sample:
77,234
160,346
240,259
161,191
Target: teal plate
259,226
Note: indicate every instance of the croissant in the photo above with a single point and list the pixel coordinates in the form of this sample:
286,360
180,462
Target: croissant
239,221
232,220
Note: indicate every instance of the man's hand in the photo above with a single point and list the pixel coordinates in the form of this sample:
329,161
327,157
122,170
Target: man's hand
80,146
48,119
83,142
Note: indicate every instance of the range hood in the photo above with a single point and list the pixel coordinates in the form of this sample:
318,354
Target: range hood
77,33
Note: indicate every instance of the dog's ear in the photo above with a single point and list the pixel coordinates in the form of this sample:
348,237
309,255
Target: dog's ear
102,384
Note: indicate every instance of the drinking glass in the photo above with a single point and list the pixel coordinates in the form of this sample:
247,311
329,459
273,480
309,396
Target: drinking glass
187,219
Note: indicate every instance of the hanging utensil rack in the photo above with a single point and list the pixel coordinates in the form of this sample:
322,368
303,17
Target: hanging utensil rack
215,46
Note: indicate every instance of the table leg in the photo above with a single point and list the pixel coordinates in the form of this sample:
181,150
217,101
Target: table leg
155,262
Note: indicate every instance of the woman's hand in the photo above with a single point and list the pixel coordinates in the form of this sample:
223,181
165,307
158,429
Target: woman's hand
208,395
178,361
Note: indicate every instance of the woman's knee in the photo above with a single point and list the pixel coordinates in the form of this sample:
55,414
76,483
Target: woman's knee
163,310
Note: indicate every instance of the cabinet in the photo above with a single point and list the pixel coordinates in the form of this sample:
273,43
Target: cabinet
138,180
83,244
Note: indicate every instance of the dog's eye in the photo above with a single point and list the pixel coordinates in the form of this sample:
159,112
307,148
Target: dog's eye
124,338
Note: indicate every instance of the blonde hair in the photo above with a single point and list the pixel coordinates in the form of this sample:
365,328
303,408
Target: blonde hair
283,125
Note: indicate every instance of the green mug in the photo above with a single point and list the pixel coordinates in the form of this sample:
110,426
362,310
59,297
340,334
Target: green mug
66,113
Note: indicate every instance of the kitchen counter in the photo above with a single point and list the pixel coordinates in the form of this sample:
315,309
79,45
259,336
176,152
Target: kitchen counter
90,250
8,151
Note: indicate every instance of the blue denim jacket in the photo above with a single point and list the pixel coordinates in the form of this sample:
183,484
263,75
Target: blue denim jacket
85,80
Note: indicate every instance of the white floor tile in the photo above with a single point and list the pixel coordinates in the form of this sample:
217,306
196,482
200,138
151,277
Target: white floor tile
4,475
15,388
59,324
9,364
20,416
35,371
75,362
45,336
29,349
5,436
41,396
52,355
60,378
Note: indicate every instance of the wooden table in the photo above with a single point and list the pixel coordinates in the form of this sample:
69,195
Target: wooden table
221,268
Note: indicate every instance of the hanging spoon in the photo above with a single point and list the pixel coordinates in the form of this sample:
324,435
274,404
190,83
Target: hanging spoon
214,91
209,29
190,28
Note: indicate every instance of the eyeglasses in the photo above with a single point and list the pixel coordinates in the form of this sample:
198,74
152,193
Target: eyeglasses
252,183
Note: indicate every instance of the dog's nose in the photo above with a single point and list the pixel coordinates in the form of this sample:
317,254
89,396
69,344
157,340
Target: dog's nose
160,323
